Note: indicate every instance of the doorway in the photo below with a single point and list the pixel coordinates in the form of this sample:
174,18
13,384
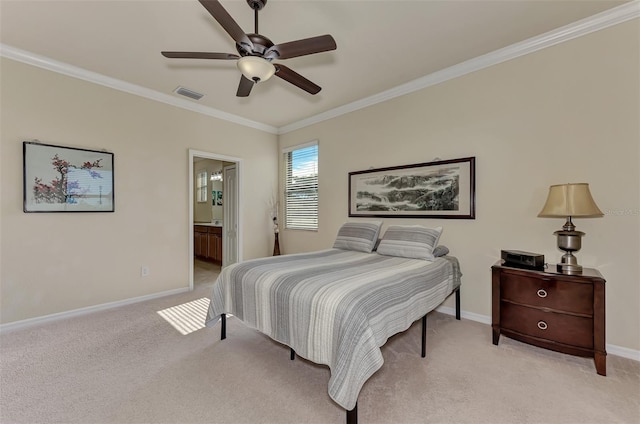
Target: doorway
231,223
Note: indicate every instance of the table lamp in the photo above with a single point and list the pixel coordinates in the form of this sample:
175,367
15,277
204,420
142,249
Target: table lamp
567,201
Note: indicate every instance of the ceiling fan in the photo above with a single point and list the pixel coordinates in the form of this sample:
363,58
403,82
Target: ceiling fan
257,52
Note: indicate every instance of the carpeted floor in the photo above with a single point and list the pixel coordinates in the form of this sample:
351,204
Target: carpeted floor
130,365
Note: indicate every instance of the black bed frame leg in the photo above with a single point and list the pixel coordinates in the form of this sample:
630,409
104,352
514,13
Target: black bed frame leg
223,327
458,303
293,354
352,415
424,336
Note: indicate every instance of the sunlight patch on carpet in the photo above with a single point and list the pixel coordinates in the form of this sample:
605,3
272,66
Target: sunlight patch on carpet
188,317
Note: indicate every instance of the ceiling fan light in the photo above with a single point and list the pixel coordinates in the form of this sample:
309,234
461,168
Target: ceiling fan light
256,68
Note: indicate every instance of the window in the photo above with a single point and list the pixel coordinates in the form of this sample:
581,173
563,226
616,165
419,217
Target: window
301,187
201,187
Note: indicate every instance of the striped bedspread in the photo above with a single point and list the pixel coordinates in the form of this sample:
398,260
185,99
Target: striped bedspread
334,307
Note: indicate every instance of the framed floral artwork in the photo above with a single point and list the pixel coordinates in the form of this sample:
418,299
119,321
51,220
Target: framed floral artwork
66,179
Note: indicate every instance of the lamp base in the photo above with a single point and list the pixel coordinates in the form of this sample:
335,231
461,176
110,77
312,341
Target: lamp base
569,241
569,269
569,264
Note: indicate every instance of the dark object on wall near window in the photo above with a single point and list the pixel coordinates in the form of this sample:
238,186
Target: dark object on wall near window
439,189
66,179
276,241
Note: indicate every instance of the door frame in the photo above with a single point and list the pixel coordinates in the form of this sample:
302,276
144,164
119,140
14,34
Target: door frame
209,155
226,209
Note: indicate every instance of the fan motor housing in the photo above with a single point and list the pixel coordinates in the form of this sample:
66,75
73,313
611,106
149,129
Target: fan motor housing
260,45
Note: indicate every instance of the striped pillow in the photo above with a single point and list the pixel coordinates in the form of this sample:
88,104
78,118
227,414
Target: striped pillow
410,241
358,236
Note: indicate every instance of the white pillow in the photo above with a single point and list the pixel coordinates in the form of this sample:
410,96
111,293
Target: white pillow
410,241
358,236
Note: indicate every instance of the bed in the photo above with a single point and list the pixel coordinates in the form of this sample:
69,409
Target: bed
338,306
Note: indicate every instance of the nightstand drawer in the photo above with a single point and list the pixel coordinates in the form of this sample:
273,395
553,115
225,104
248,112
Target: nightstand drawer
547,293
568,329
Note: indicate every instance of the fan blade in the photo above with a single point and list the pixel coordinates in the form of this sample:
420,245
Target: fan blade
228,23
321,43
200,55
296,79
245,86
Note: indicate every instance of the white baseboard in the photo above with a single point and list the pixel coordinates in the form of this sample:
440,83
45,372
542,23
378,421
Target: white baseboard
611,349
624,352
83,311
463,314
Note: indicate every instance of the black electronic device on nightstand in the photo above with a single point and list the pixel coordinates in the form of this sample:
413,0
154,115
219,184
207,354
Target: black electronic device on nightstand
520,259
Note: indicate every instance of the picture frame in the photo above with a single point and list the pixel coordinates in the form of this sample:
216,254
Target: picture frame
216,198
440,189
66,179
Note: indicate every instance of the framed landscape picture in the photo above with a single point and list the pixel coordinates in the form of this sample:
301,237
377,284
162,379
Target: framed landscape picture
440,189
66,179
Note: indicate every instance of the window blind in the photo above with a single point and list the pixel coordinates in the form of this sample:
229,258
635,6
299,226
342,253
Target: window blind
301,187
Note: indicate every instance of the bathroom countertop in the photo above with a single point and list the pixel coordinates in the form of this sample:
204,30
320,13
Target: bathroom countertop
209,224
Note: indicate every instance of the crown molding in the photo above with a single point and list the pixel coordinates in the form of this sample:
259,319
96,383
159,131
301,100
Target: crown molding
568,32
44,62
606,19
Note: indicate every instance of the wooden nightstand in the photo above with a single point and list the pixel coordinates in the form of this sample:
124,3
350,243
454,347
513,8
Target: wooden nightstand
548,309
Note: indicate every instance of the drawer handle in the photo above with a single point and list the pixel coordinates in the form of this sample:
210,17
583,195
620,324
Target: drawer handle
542,293
542,325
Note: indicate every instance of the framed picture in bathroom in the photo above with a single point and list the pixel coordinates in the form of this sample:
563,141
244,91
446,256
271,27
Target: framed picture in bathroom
216,198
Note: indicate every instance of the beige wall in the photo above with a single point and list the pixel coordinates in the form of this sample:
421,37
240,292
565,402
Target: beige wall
52,263
565,114
568,113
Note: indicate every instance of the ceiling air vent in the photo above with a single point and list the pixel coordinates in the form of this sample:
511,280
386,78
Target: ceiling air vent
188,93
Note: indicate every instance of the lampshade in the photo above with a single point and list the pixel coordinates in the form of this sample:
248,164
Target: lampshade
256,68
570,200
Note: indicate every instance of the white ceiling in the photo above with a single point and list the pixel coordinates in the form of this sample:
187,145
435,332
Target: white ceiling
382,44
